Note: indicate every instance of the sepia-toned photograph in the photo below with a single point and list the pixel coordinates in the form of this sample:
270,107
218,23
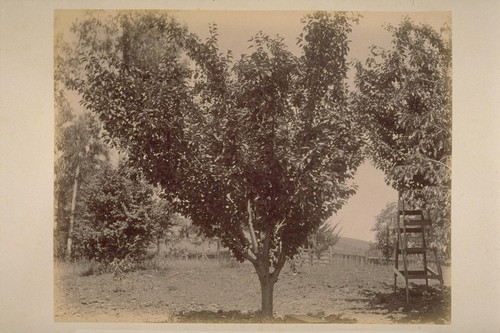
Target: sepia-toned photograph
252,166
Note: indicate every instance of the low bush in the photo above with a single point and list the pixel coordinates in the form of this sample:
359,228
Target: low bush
115,223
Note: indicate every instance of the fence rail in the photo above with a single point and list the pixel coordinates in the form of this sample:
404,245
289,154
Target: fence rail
306,257
331,257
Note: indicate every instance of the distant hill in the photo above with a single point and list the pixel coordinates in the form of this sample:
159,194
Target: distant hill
351,245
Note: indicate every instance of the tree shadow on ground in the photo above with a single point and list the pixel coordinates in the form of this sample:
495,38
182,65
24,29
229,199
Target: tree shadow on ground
236,316
232,316
426,305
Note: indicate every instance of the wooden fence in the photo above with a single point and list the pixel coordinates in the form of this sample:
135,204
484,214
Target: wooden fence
332,257
306,257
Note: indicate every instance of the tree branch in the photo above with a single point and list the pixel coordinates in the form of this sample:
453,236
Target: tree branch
428,159
279,265
247,254
250,227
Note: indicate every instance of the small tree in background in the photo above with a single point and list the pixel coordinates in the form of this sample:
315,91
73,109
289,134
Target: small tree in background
385,231
162,218
324,238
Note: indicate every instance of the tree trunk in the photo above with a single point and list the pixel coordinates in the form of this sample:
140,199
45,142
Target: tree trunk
158,246
218,247
267,289
267,281
72,214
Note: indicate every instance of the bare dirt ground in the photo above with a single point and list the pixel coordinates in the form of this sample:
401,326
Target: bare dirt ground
201,291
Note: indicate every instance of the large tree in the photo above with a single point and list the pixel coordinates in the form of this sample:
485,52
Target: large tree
405,103
258,152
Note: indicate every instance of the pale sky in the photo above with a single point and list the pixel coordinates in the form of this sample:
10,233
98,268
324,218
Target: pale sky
357,217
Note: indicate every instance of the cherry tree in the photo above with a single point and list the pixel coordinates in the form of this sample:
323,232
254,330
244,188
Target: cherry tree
258,152
405,103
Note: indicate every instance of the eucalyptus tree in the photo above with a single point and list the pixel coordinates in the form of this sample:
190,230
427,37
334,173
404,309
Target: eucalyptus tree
405,103
79,153
258,152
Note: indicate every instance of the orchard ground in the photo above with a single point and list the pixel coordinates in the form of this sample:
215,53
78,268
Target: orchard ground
222,290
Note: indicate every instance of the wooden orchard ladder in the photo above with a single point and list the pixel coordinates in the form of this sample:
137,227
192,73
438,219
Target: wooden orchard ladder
411,221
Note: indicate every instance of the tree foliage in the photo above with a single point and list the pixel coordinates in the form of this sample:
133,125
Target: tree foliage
405,101
120,218
162,218
385,231
257,152
79,153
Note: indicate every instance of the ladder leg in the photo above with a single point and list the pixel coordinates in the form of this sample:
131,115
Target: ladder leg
440,272
424,246
395,282
407,291
396,264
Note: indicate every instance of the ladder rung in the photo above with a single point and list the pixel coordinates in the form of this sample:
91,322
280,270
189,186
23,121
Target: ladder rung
413,250
410,212
431,272
418,275
417,222
411,230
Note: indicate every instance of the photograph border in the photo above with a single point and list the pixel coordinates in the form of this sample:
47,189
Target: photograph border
26,122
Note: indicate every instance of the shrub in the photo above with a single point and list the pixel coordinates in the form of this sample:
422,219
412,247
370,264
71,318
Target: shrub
115,224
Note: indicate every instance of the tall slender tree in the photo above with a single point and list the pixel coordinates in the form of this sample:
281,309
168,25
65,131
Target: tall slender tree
79,150
79,153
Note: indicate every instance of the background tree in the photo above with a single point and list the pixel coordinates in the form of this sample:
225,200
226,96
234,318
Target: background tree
405,103
324,238
162,218
258,154
385,231
79,153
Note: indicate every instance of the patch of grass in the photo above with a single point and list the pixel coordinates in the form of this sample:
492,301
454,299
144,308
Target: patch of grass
92,268
154,264
79,268
229,263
